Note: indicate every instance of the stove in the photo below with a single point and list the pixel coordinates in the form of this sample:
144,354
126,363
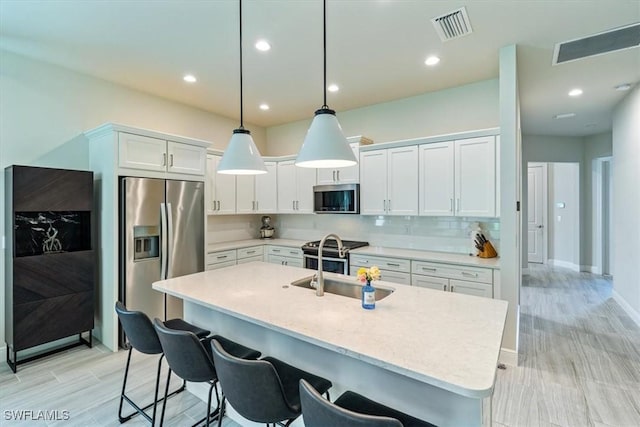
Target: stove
331,259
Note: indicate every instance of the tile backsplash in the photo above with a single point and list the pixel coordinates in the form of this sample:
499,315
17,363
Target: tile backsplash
446,234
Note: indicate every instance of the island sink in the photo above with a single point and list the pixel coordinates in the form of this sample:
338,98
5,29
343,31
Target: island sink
350,289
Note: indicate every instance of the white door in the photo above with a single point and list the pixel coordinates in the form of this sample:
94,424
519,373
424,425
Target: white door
475,177
436,179
471,288
326,176
267,189
210,186
306,179
351,174
437,283
142,152
287,192
402,181
245,193
536,198
373,182
186,158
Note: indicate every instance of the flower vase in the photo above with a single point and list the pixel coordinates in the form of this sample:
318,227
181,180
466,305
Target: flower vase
368,296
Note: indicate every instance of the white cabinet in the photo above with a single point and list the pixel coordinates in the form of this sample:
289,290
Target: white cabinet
295,188
223,259
257,193
221,189
458,178
160,155
452,278
389,181
475,177
285,255
348,175
394,270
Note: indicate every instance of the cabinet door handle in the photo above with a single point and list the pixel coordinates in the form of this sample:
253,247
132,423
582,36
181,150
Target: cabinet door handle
451,290
393,264
218,204
458,205
334,174
428,269
221,256
297,205
293,205
444,288
253,205
450,205
286,262
164,159
293,252
257,208
170,159
251,252
389,205
275,250
338,174
384,204
464,273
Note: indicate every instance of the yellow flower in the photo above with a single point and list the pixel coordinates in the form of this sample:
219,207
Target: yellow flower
368,274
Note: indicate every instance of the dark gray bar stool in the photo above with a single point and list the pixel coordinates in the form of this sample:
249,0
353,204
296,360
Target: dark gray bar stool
190,360
350,410
263,391
143,337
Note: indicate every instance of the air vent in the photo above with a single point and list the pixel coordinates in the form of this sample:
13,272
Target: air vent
597,44
452,25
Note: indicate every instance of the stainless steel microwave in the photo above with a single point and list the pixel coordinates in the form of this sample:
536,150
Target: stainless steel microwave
340,198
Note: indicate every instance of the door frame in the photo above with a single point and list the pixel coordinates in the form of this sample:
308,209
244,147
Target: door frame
545,208
601,216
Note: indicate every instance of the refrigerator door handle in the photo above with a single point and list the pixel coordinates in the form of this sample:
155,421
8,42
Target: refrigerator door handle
169,239
164,250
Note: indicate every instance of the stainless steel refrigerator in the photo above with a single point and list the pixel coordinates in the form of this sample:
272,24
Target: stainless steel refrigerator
161,236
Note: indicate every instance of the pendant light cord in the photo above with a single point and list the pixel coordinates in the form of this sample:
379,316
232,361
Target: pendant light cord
241,112
324,38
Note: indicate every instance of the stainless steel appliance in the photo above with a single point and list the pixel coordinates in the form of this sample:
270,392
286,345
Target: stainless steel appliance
331,259
161,236
340,198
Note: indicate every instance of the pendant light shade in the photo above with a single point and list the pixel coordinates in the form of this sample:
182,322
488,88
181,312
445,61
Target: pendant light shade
324,145
241,156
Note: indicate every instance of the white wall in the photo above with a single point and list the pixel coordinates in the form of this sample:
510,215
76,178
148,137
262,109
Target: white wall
564,222
469,107
626,200
44,108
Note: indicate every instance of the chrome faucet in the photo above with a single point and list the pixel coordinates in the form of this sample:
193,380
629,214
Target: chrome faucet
341,254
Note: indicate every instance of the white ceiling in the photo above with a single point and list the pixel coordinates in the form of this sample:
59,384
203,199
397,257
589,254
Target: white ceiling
376,52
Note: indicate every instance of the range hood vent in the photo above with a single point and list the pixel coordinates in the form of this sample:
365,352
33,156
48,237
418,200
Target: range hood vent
598,44
452,25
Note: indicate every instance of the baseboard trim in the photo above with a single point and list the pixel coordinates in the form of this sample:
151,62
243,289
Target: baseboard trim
590,269
3,354
635,316
508,357
565,264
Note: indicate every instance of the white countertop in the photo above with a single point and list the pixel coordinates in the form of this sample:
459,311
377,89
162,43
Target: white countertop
238,244
449,340
420,255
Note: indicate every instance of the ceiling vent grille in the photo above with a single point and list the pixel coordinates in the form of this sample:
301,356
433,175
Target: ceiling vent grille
597,44
452,25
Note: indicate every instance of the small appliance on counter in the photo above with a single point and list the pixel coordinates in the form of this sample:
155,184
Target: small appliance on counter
266,231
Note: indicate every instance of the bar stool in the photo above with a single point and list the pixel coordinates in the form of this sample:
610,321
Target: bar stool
142,336
350,410
190,360
263,391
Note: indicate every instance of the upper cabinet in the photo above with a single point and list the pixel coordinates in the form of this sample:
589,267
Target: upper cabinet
458,178
348,175
257,193
389,181
220,188
295,187
160,155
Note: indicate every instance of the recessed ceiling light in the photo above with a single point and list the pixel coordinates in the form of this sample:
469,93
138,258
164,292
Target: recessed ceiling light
264,107
623,86
575,92
564,116
333,88
263,45
189,78
432,60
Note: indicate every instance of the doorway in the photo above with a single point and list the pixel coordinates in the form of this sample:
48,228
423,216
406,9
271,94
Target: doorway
602,197
537,213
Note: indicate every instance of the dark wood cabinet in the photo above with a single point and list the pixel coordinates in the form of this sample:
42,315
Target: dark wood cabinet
50,263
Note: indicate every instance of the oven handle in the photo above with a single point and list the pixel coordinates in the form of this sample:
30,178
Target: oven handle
326,258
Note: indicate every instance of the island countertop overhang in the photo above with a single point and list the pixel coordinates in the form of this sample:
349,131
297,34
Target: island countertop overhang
451,341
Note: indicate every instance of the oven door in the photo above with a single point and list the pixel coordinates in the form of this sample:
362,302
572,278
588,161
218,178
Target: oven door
333,265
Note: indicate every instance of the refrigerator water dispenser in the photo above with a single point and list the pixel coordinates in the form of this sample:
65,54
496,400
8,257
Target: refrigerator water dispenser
146,242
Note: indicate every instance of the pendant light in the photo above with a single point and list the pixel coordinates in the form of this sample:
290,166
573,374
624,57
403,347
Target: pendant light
241,156
325,145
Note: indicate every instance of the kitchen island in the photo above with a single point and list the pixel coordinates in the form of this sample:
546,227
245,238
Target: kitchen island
428,353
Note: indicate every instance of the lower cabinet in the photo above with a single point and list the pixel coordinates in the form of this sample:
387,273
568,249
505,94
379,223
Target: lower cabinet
231,257
285,255
391,269
453,278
